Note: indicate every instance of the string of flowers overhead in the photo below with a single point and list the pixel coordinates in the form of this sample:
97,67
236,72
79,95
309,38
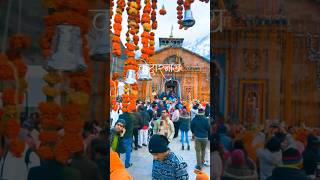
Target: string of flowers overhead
13,70
179,13
75,13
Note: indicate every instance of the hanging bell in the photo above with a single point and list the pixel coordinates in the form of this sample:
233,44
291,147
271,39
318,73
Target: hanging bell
188,20
101,47
131,77
67,50
144,72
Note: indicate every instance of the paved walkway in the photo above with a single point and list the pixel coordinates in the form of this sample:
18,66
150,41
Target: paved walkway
142,160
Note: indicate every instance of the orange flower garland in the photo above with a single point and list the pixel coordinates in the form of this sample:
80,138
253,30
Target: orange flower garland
179,13
116,48
73,12
6,72
12,67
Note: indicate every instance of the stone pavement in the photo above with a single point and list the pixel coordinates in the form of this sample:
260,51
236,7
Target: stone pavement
142,160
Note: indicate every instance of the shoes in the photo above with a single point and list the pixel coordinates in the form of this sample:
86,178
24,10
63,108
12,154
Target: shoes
182,147
129,165
206,164
198,168
139,146
188,148
135,148
144,145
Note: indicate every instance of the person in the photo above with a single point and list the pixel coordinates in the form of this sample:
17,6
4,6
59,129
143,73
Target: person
184,127
11,164
99,154
216,157
200,128
311,155
164,126
87,168
194,111
236,167
207,110
269,157
224,139
166,164
127,137
114,115
143,132
117,169
290,168
116,136
175,120
137,124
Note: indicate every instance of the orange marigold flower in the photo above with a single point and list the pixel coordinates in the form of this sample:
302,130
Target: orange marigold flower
12,128
48,136
46,152
73,126
50,108
17,147
61,153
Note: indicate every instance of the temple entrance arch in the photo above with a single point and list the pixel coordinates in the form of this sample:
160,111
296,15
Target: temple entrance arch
172,88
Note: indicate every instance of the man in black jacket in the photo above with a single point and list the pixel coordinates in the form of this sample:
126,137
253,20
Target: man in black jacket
143,131
200,128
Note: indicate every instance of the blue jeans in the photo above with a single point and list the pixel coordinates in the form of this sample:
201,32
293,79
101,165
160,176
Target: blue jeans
184,133
128,144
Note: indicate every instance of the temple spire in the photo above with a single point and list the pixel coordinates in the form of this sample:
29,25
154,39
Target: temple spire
171,35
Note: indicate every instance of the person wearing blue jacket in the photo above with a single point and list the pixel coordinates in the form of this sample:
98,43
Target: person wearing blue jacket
200,128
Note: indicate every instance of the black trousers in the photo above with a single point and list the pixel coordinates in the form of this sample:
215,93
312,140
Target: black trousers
135,135
176,129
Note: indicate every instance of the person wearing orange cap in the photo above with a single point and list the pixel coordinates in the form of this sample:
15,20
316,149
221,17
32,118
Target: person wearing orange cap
117,169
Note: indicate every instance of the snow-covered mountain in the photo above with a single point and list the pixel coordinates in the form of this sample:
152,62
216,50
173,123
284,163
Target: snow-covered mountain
201,46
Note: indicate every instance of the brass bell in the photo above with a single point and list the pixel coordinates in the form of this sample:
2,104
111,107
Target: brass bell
67,50
131,77
188,20
101,47
144,72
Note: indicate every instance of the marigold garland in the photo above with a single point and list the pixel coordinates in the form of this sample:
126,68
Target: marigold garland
6,72
50,91
9,97
17,147
52,78
117,27
179,12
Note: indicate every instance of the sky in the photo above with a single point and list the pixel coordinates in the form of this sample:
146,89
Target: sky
201,14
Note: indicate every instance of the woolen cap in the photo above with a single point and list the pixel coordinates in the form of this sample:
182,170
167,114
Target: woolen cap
158,144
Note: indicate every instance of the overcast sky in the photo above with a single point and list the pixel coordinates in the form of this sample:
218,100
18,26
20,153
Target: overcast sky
201,14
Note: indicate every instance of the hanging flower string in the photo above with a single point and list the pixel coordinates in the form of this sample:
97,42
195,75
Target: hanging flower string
179,13
72,12
13,70
117,27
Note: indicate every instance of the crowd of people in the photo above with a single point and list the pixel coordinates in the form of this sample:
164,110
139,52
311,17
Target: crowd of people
155,125
89,163
272,152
